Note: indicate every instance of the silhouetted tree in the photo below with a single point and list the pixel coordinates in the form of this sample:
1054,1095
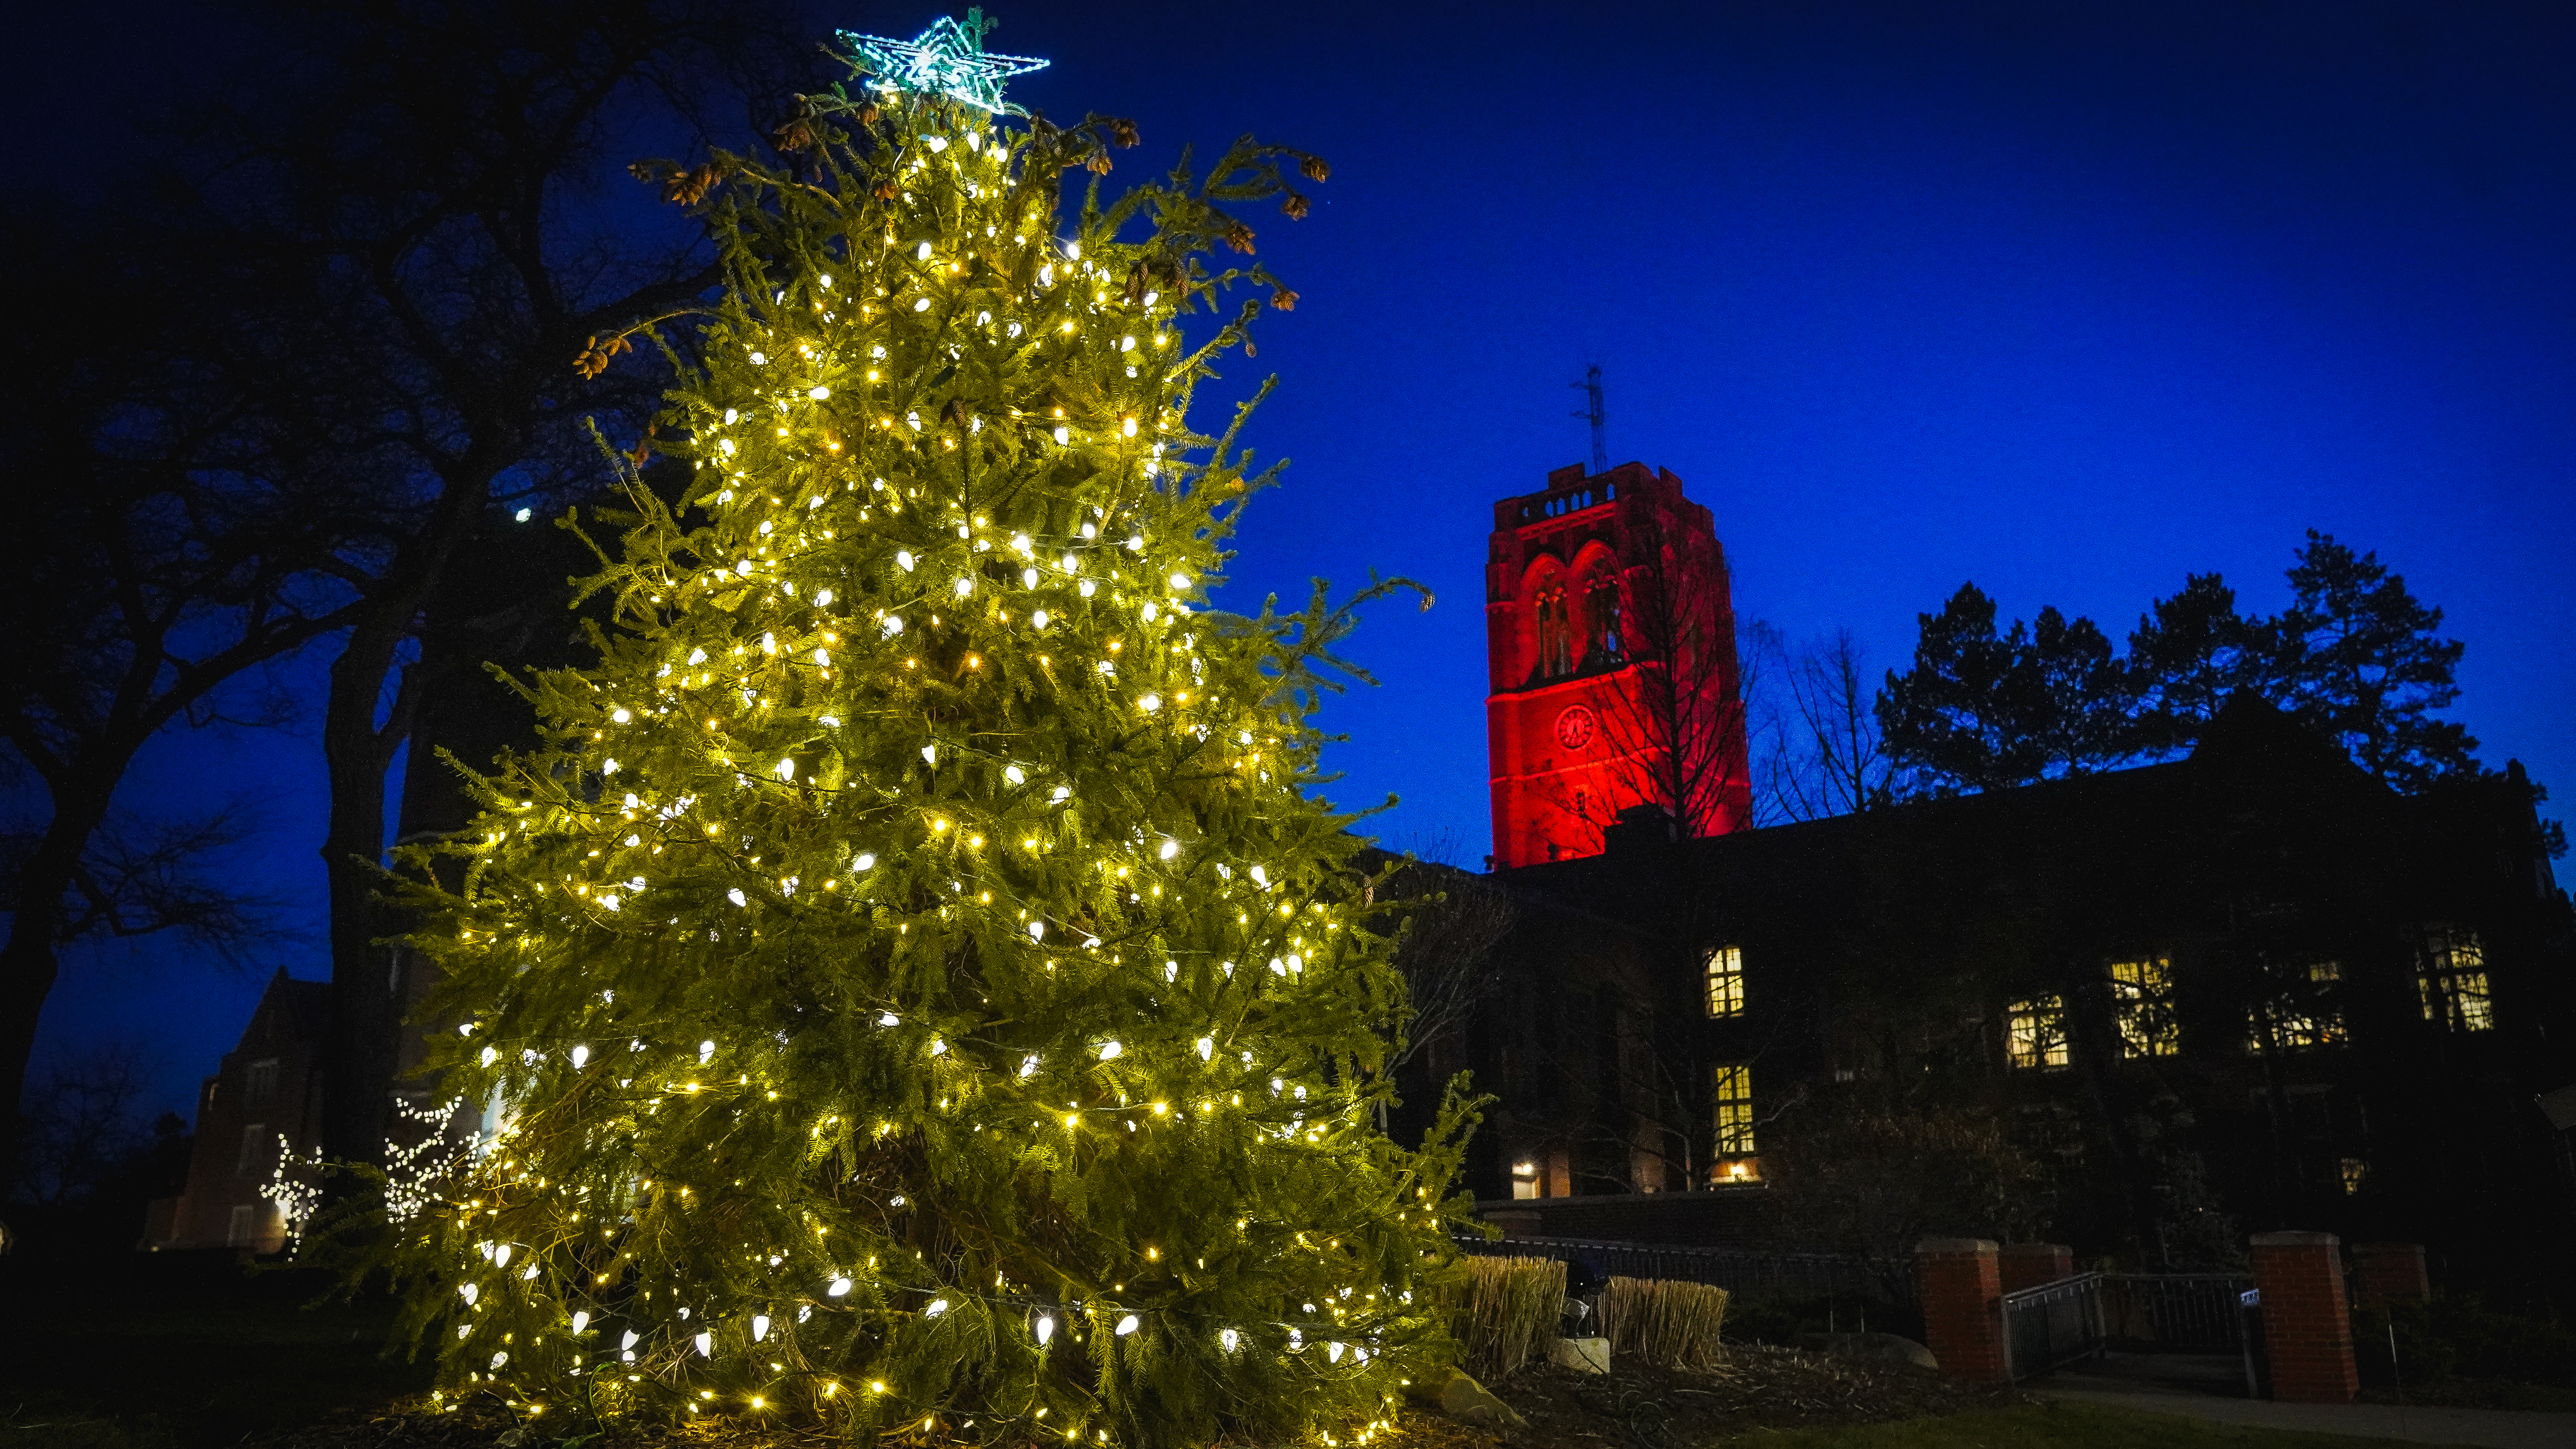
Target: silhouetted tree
176,535
440,169
1820,753
2355,657
2187,655
1982,710
1677,733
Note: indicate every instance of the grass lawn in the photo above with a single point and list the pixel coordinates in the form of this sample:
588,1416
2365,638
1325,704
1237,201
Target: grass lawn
2050,1426
180,1351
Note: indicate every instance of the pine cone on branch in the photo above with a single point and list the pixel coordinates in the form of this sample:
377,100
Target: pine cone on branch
1122,132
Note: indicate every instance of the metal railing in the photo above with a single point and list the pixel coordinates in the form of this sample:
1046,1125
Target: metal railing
2054,1324
2176,1312
1738,1271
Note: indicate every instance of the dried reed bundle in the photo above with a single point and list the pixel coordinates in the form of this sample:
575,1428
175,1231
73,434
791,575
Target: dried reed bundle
1664,1322
1504,1312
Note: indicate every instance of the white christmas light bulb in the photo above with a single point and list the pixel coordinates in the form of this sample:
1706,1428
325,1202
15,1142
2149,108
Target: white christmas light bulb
630,1340
580,1055
1128,1325
937,1307
706,1343
469,1292
759,1327
865,861
1109,1051
706,1049
580,1320
838,1287
1170,847
1207,1047
1046,1329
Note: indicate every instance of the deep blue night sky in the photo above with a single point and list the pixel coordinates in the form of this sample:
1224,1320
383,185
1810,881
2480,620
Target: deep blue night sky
2065,300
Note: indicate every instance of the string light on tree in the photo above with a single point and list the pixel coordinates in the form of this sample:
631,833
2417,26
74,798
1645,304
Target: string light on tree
865,1037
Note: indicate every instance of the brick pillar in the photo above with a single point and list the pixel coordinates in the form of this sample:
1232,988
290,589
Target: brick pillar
2386,1272
1963,1307
2027,1265
2307,1329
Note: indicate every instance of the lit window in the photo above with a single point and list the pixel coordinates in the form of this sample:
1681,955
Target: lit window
2142,991
254,1151
2355,1172
1734,1110
2038,1028
1724,969
2304,1011
1525,1179
2451,970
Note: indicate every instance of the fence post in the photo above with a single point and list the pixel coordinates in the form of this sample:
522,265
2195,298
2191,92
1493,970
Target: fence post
2027,1265
2383,1273
2307,1327
1963,1307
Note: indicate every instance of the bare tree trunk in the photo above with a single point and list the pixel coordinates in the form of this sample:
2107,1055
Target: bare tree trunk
31,961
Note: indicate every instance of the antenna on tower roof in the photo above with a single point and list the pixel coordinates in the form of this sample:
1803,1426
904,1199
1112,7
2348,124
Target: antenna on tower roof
1591,386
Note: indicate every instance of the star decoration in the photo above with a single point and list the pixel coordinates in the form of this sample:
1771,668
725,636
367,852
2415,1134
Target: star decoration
948,58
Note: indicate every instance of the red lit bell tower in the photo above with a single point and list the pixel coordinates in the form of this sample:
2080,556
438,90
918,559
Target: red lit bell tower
1611,642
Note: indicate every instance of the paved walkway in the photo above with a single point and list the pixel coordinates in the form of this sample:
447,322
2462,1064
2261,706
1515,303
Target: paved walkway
2492,1428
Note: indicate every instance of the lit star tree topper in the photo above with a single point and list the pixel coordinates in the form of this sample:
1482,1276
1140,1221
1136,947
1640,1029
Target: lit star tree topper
948,59
922,992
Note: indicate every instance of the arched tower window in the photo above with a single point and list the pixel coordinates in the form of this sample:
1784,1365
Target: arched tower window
1601,622
1555,635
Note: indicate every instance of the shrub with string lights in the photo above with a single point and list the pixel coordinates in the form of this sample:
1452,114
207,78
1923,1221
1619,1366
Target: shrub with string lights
918,991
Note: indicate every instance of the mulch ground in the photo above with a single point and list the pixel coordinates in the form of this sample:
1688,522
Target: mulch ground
1637,1406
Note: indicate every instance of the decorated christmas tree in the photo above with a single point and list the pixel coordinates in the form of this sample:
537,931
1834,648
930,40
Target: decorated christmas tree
916,988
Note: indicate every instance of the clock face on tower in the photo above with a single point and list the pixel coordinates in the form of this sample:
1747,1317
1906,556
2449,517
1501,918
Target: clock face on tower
1575,727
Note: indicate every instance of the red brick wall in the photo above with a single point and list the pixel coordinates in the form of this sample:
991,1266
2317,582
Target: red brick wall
2027,1265
2307,1327
1963,1307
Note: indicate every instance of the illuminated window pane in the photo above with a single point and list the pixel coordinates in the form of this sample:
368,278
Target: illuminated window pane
1734,1109
2304,1011
1724,968
2355,1173
2451,973
1525,1179
2142,992
2038,1032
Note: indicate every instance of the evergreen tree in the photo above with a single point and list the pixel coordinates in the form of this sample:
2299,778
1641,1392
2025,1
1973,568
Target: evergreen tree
1982,710
2187,655
919,992
2355,656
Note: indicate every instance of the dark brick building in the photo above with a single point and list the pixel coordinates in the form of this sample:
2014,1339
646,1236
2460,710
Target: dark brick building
267,1091
2251,983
